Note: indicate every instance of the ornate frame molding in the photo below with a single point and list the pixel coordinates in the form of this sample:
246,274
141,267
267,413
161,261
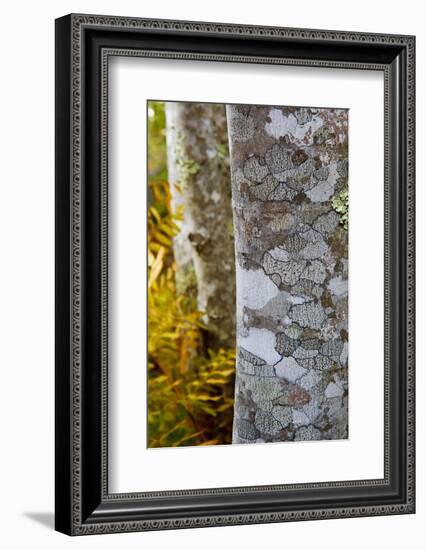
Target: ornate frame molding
76,510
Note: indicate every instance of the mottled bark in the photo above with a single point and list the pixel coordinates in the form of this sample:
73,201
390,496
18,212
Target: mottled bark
199,174
182,247
288,166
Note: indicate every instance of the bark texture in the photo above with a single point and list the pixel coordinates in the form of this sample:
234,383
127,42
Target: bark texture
198,165
182,247
289,187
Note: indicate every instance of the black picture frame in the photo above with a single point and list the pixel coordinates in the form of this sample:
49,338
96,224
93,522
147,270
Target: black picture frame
83,45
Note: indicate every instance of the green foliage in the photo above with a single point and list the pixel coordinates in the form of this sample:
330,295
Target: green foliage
340,203
157,165
189,402
191,407
190,389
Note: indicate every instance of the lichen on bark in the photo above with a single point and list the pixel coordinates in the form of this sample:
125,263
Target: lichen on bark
287,165
199,176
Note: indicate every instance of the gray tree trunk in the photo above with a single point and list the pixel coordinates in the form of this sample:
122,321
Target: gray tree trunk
198,165
182,247
289,176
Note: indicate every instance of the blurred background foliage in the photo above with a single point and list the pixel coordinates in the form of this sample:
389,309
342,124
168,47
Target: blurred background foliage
190,396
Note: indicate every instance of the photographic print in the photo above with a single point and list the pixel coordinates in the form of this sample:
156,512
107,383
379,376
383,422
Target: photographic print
248,273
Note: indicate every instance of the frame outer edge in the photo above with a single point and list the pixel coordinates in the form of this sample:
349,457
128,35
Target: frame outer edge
411,271
77,22
63,495
76,269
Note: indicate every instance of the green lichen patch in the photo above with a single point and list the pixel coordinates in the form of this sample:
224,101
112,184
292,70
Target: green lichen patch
340,203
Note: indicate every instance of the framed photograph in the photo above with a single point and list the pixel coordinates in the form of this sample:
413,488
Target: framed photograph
234,274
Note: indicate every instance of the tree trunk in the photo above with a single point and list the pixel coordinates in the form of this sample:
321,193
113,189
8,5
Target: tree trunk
198,163
289,188
182,247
